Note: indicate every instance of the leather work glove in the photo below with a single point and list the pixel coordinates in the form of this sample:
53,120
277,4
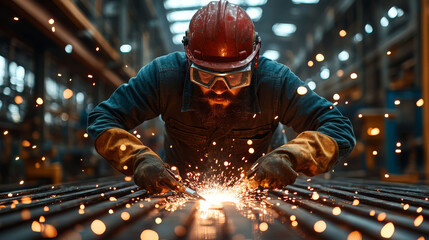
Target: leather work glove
150,173
271,170
127,154
311,153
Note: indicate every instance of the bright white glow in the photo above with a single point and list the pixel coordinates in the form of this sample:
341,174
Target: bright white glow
343,56
184,15
400,12
68,48
324,73
169,4
255,13
126,48
305,1
357,38
172,4
179,27
284,29
311,85
80,97
177,39
272,54
368,28
384,22
393,12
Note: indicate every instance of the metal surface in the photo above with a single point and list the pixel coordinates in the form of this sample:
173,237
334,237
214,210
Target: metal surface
112,208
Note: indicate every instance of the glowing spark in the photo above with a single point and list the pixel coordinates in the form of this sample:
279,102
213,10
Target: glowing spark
355,202
110,211
374,153
419,210
294,223
16,18
36,227
386,115
97,49
418,221
388,230
320,57
125,216
336,211
82,206
310,63
336,97
251,150
315,196
21,182
388,53
158,220
263,227
398,151
90,76
98,227
420,102
406,206
355,235
372,213
249,142
276,117
320,226
85,135
51,21
53,29
5,132
353,75
149,234
39,101
397,102
301,90
381,216
342,33
373,131
9,194
360,116
292,217
214,143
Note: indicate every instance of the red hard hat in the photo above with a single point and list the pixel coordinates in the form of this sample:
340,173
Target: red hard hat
221,36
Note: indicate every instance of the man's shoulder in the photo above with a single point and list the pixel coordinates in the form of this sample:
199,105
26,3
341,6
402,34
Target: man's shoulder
172,61
272,68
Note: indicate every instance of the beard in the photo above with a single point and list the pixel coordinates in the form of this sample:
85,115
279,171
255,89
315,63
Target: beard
218,115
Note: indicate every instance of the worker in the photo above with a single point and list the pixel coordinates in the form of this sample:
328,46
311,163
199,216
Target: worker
222,105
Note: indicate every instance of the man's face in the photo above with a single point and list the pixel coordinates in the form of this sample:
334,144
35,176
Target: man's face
219,94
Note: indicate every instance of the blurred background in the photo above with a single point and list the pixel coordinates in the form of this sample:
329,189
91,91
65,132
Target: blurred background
60,58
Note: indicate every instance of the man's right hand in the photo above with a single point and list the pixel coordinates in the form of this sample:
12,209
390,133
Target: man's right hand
151,174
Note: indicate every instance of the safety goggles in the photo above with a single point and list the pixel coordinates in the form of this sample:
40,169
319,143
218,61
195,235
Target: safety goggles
233,79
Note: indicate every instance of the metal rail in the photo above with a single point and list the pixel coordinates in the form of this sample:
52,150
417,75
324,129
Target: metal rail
310,209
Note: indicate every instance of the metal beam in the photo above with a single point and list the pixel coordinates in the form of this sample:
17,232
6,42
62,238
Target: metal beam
425,82
40,17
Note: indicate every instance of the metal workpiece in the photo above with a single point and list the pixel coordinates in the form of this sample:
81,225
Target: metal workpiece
114,208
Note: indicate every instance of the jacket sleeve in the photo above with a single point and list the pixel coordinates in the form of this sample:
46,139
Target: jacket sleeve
130,105
326,135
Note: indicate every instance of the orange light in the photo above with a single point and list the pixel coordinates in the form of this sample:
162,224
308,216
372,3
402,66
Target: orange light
388,230
343,33
68,93
98,227
18,100
310,63
320,226
340,73
373,131
320,57
263,227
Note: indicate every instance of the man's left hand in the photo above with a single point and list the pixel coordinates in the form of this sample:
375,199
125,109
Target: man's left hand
272,170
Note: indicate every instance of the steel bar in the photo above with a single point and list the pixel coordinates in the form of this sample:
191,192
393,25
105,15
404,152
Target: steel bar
309,209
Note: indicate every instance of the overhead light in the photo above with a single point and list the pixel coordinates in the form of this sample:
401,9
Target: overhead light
393,12
179,27
125,48
343,56
184,15
324,73
311,84
171,4
357,38
384,22
177,39
272,54
368,28
305,1
68,48
284,29
255,13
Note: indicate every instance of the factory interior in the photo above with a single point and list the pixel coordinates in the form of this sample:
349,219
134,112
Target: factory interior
60,58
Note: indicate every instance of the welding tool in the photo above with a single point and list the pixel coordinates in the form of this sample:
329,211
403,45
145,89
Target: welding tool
184,189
